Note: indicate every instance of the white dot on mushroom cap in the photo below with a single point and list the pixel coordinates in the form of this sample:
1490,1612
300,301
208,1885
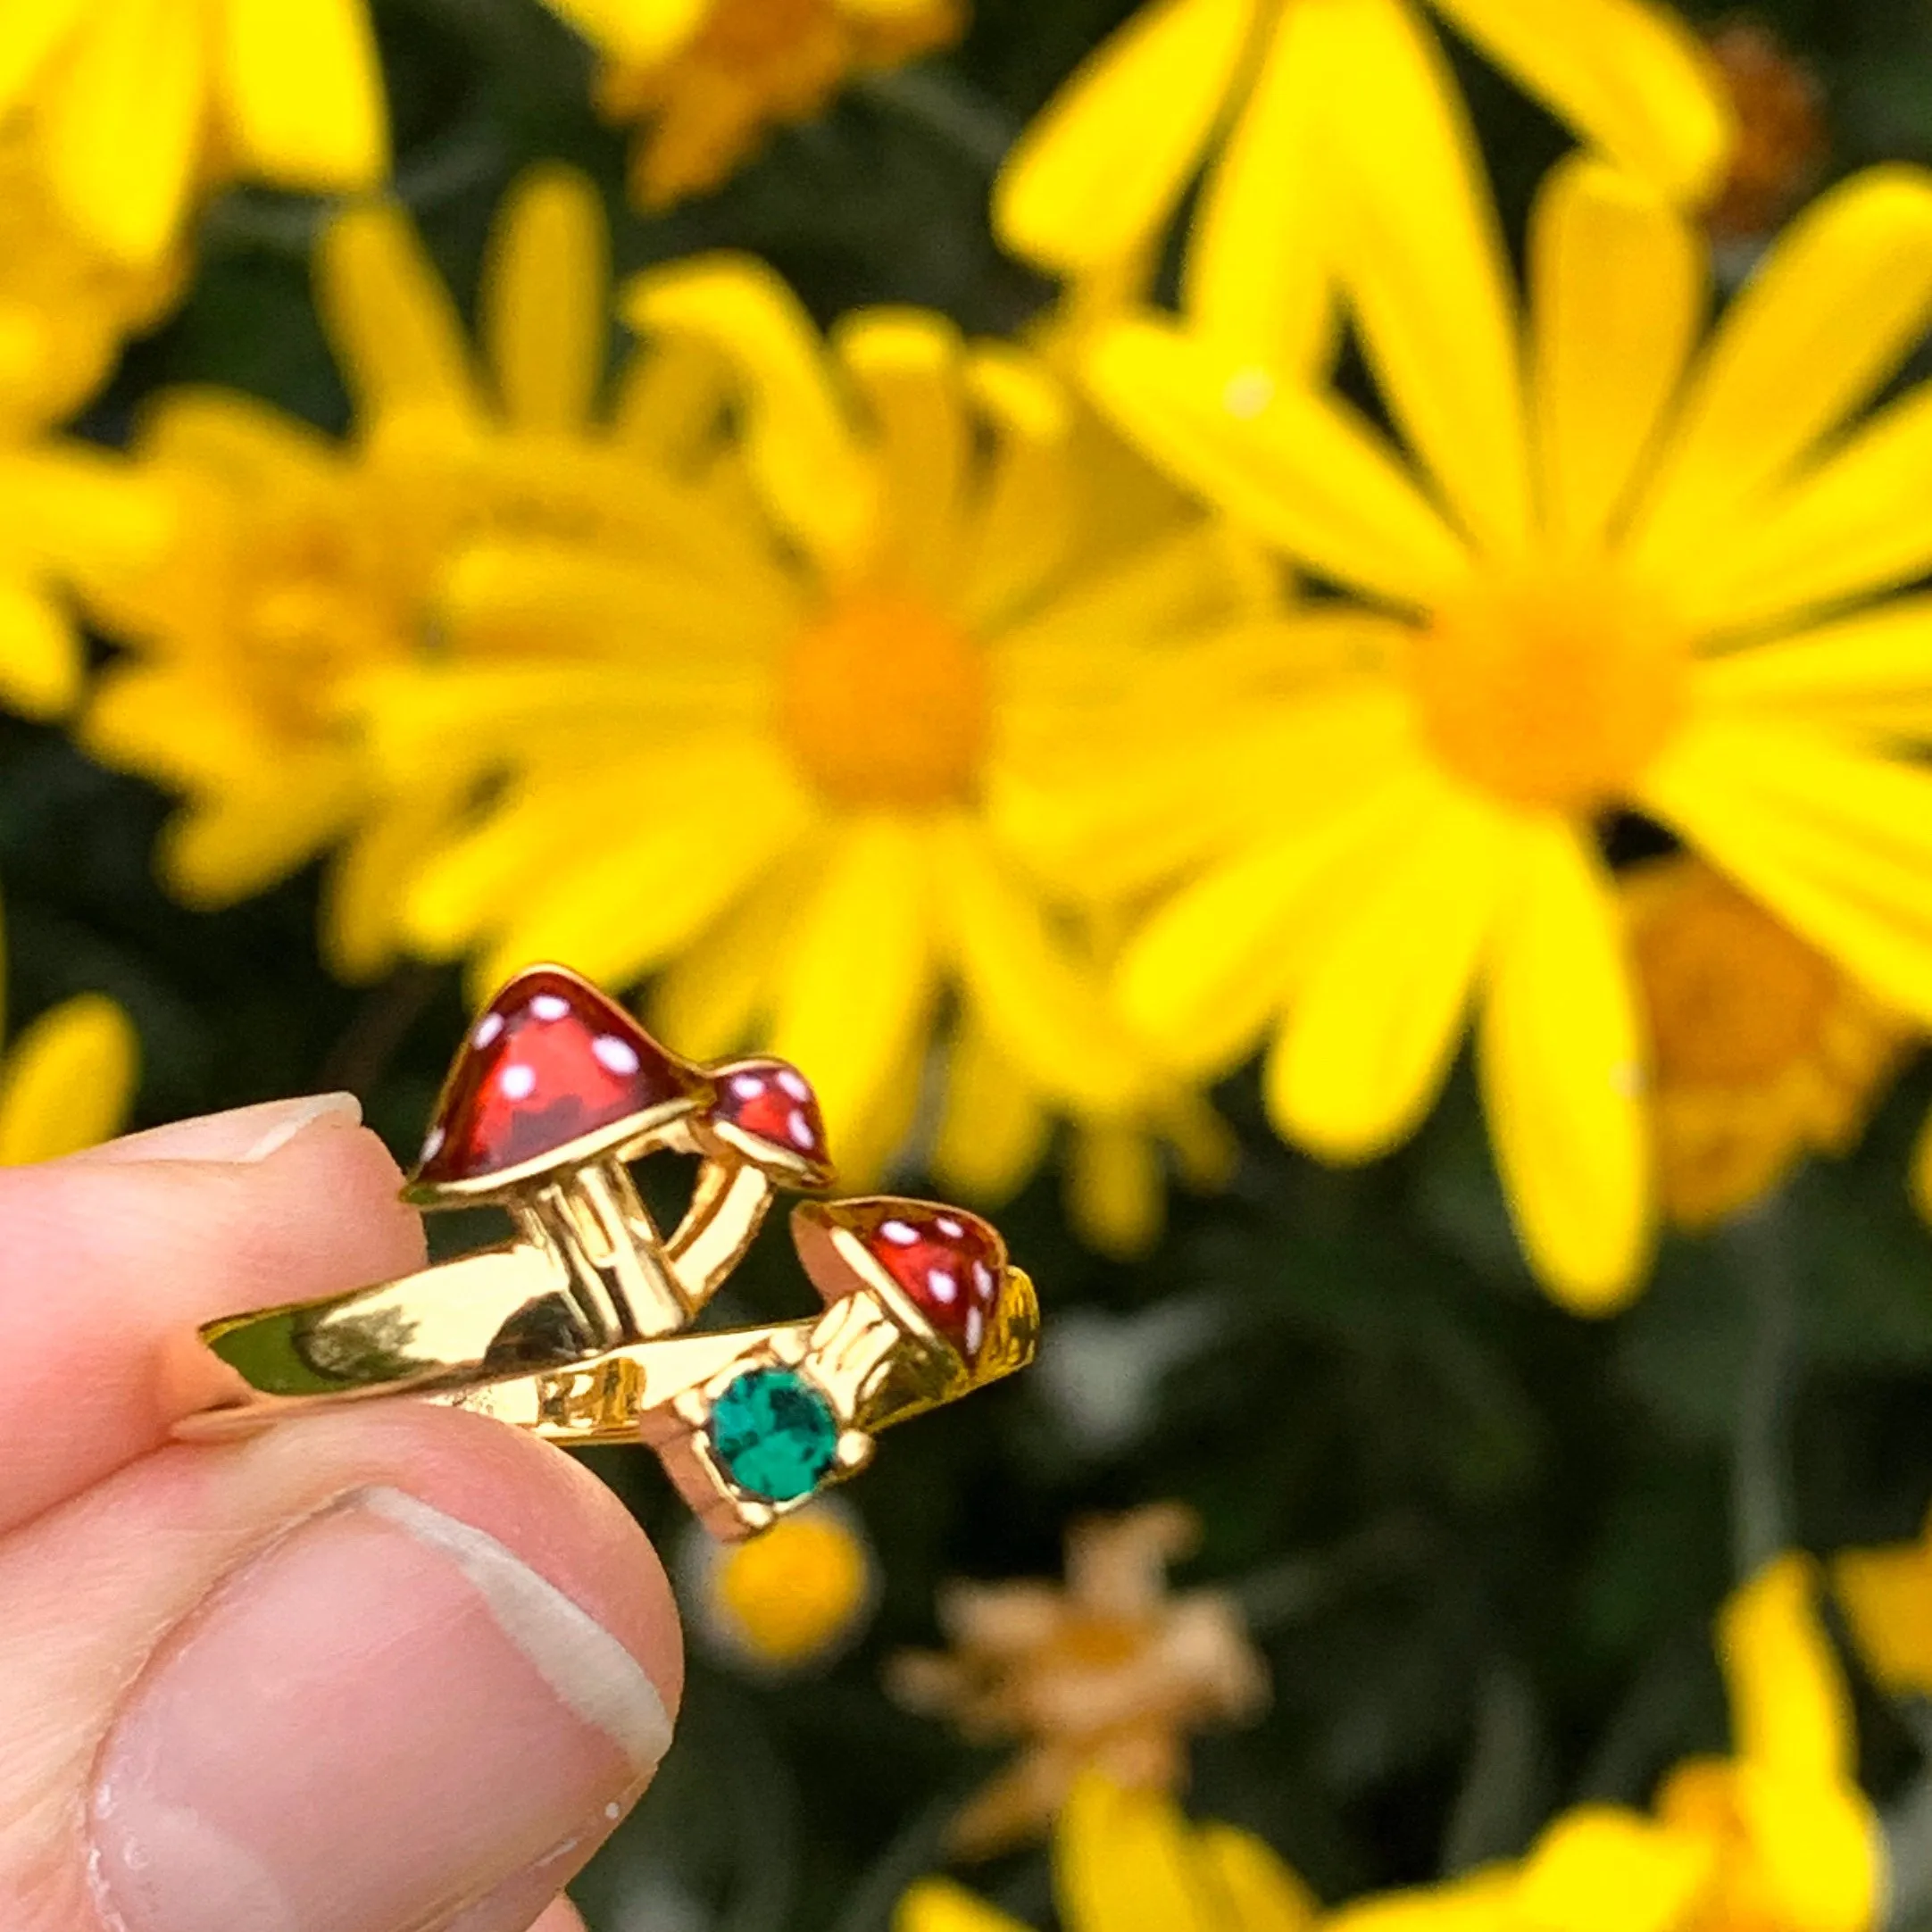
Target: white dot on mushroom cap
793,1084
550,1006
800,1130
983,1281
487,1029
898,1233
432,1143
944,1285
950,1228
613,1054
747,1086
976,1327
518,1081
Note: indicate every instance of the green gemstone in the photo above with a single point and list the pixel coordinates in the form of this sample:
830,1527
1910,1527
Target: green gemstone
774,1434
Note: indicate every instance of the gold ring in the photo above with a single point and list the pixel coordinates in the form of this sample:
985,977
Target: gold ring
573,1327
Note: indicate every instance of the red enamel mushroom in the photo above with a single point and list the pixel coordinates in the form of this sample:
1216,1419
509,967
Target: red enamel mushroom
940,1272
555,1087
763,1131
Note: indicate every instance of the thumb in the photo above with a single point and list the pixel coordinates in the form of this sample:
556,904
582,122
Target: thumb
383,1671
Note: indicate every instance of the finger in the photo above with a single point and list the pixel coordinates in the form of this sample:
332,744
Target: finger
106,1255
400,1667
560,1916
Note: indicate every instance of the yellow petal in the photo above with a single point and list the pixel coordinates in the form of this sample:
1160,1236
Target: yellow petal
640,31
1837,843
1019,525
795,434
1620,287
906,365
993,1129
1418,248
1096,175
711,999
67,1082
41,653
546,291
1790,1711
1377,1016
1828,317
1601,1870
301,89
854,989
1627,75
238,438
1122,1859
1887,1595
32,34
621,907
1264,1893
228,846
938,1905
1871,672
1203,978
1116,1192
1819,1851
83,512
1562,1067
1302,470
1036,1001
362,906
1482,1901
393,325
1847,529
1257,274
123,123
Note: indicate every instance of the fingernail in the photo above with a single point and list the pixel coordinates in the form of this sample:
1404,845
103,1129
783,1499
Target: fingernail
378,1721
242,1134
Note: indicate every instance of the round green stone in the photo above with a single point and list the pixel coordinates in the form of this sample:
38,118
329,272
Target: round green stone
773,1434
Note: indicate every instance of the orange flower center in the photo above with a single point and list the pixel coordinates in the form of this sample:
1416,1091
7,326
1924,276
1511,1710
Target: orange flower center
1553,690
1735,996
884,703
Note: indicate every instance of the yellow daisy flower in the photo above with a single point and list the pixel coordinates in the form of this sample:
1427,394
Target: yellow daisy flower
300,564
812,600
130,105
1761,1049
1314,104
1625,580
1886,1595
1129,1862
710,78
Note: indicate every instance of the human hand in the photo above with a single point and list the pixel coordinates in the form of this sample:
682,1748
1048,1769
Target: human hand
391,1670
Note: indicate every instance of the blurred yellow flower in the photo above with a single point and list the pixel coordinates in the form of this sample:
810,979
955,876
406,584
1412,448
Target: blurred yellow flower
710,78
1326,114
1629,582
1112,1674
300,563
786,1600
1128,1861
1760,1048
133,105
787,618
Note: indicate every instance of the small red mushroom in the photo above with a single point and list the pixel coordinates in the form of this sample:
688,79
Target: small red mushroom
766,1113
948,1265
553,1073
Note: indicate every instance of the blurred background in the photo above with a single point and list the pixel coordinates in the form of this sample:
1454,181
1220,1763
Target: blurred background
1454,1550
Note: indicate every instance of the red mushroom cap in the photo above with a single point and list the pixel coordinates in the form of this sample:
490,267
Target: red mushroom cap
551,1067
949,1264
766,1109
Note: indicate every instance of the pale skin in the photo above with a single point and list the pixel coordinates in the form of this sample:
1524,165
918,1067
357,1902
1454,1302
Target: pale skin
388,1670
